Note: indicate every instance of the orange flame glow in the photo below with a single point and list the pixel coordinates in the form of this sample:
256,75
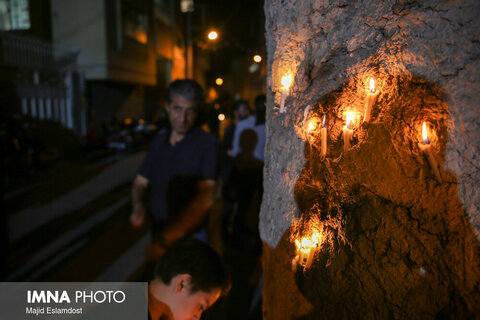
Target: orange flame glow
308,243
372,85
424,133
310,126
349,119
286,82
316,238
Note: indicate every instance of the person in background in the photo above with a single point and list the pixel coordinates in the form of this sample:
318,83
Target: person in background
241,111
189,279
247,174
180,169
256,123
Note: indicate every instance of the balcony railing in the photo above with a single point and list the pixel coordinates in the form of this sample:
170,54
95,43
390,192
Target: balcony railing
21,51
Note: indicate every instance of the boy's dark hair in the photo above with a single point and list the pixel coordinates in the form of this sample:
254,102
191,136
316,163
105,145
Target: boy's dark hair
200,261
188,89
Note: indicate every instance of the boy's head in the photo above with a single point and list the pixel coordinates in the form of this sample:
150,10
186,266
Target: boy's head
194,276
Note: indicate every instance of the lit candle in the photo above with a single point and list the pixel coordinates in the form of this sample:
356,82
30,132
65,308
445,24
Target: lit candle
286,82
295,263
306,251
311,126
323,136
347,132
371,99
427,150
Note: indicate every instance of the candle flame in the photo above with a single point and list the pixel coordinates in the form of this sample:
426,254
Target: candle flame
305,243
308,243
424,133
310,126
324,122
372,85
349,119
286,82
315,239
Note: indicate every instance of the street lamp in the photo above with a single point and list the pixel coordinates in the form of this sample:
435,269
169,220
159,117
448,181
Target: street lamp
212,35
186,6
219,81
257,58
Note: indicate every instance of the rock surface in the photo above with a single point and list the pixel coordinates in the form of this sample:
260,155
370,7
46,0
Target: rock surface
398,243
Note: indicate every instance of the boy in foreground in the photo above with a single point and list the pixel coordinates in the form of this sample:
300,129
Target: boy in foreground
189,279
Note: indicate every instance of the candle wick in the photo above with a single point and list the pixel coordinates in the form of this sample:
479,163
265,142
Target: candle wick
426,141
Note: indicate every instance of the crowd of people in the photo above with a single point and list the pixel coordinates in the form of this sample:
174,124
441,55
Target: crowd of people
176,187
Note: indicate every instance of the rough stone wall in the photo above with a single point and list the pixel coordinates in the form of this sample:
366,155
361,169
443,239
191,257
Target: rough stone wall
397,242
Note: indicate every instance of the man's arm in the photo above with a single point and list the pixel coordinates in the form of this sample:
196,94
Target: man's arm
193,215
140,184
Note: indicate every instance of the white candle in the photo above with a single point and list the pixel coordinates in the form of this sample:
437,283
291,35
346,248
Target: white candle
306,257
347,133
286,82
427,150
323,136
306,252
371,100
295,263
311,125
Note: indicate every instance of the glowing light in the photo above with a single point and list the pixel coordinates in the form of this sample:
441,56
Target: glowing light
308,243
311,125
257,58
372,85
298,244
221,117
127,121
306,250
141,121
187,6
286,82
253,67
424,133
212,94
349,119
219,81
316,237
216,106
212,35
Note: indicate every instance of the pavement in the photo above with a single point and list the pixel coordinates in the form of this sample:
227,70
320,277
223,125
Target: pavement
121,172
84,235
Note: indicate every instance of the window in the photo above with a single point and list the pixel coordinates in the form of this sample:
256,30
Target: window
162,11
14,15
135,24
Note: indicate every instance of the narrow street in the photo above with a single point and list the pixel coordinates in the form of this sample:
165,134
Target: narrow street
70,224
63,231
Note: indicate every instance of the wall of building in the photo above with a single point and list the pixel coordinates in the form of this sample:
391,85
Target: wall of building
82,24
